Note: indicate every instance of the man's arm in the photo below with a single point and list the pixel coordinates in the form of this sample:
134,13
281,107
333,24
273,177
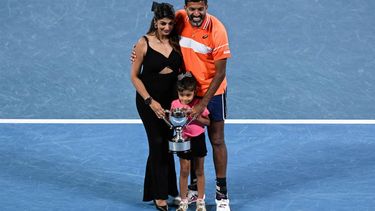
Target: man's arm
220,66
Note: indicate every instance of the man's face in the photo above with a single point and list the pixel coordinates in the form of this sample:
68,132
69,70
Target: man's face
196,12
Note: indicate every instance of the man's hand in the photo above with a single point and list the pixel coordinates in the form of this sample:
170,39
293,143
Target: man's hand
187,111
133,56
198,109
220,66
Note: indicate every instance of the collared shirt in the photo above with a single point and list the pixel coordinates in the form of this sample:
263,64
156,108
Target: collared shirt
201,47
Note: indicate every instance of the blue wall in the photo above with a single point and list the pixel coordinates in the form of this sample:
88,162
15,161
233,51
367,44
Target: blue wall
291,59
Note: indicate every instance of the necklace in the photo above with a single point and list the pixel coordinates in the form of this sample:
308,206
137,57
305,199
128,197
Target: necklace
164,44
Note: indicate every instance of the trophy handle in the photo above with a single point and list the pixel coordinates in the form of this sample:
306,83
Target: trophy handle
192,119
166,121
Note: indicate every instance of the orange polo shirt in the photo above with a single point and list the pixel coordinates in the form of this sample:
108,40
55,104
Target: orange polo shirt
201,47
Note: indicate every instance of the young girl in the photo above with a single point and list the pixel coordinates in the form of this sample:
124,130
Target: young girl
186,88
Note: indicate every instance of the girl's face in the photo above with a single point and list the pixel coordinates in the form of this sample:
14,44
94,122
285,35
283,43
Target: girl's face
164,26
186,96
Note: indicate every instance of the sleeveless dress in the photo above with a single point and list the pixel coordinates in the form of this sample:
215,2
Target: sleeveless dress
160,178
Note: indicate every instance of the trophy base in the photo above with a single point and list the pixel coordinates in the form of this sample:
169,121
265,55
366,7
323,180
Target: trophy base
175,147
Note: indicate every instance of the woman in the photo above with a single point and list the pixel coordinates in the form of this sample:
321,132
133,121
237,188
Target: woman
154,75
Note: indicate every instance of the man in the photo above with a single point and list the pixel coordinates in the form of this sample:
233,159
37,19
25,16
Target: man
205,49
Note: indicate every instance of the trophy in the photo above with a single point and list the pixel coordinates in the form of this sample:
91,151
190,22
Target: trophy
178,119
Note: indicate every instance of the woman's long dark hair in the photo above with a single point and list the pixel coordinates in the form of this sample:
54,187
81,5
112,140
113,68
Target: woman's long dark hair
165,10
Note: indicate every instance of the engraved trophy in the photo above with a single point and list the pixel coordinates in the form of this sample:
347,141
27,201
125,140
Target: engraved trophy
178,119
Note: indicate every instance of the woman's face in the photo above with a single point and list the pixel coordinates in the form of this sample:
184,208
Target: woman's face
164,26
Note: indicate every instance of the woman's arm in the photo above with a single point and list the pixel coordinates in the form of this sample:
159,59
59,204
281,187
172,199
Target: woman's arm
140,52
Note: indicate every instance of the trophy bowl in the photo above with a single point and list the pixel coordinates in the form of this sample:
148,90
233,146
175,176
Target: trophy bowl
178,118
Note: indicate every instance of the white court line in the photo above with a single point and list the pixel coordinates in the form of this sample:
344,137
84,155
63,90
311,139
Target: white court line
228,121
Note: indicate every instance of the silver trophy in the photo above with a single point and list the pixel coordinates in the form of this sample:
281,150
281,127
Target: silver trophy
178,119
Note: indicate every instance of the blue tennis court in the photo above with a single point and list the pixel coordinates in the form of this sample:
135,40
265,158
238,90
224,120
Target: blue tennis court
271,167
292,60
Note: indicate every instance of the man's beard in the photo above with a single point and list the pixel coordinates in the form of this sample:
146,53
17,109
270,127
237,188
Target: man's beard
196,23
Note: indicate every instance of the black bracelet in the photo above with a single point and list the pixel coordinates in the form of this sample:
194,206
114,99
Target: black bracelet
148,100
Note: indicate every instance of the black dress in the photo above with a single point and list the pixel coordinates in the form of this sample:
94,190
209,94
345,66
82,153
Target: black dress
160,179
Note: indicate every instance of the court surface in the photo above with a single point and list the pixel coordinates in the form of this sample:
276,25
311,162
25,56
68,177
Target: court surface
271,167
292,60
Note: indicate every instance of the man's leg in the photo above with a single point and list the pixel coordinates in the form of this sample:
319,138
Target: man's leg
217,108
219,149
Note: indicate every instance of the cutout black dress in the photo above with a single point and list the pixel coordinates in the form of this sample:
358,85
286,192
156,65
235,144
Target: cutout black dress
160,179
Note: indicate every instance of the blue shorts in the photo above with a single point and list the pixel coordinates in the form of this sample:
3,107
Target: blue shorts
218,107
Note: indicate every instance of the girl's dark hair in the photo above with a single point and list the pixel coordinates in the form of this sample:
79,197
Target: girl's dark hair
164,10
187,1
187,82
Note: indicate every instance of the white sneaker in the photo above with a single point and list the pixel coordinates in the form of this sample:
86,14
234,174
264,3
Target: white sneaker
222,205
183,206
201,205
192,196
